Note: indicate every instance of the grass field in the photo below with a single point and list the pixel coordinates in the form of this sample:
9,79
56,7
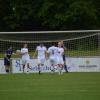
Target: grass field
70,86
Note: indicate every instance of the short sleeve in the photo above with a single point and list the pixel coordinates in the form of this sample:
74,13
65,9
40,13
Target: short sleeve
45,48
36,48
48,50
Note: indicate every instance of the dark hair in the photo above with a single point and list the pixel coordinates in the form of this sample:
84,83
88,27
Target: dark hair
54,43
41,44
24,43
10,47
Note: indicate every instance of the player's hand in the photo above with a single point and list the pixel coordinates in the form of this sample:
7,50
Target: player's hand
18,52
14,53
33,57
46,58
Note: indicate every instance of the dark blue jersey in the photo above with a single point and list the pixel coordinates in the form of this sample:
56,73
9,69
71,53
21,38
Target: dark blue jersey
8,53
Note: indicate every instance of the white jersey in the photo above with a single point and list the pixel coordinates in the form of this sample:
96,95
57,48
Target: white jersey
60,55
25,54
53,51
61,51
41,51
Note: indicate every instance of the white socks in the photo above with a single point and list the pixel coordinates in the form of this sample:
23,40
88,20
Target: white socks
60,70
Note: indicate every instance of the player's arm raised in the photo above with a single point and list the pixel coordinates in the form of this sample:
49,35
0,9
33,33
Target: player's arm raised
21,52
46,55
35,54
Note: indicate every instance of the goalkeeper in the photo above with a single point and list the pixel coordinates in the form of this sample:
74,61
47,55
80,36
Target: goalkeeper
7,60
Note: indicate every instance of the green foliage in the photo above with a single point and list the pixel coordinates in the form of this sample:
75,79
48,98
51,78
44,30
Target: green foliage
49,14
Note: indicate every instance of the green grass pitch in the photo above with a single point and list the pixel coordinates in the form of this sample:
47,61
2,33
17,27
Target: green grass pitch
69,86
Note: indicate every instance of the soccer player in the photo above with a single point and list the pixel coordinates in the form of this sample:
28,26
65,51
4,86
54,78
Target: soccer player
41,52
64,58
60,58
7,60
53,56
25,58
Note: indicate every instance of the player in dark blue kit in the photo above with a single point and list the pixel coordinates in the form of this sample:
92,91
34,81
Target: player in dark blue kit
64,58
7,60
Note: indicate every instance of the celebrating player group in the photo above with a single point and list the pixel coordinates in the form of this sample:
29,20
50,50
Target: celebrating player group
54,54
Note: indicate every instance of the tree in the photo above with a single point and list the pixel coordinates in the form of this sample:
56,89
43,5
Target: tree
19,15
4,11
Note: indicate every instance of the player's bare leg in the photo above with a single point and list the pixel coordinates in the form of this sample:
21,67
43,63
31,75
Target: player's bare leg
10,69
62,66
39,68
23,68
7,69
60,69
52,68
28,67
65,67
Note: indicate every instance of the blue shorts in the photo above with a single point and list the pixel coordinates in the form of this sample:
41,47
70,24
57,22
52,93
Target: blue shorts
64,58
6,62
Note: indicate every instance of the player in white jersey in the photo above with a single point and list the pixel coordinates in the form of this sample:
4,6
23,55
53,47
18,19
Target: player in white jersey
60,58
25,57
41,56
53,56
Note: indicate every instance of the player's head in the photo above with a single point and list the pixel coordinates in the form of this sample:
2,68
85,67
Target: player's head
41,45
54,44
25,45
62,43
10,48
59,44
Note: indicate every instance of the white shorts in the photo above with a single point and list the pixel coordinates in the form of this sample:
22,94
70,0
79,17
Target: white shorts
53,60
60,60
41,60
25,61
